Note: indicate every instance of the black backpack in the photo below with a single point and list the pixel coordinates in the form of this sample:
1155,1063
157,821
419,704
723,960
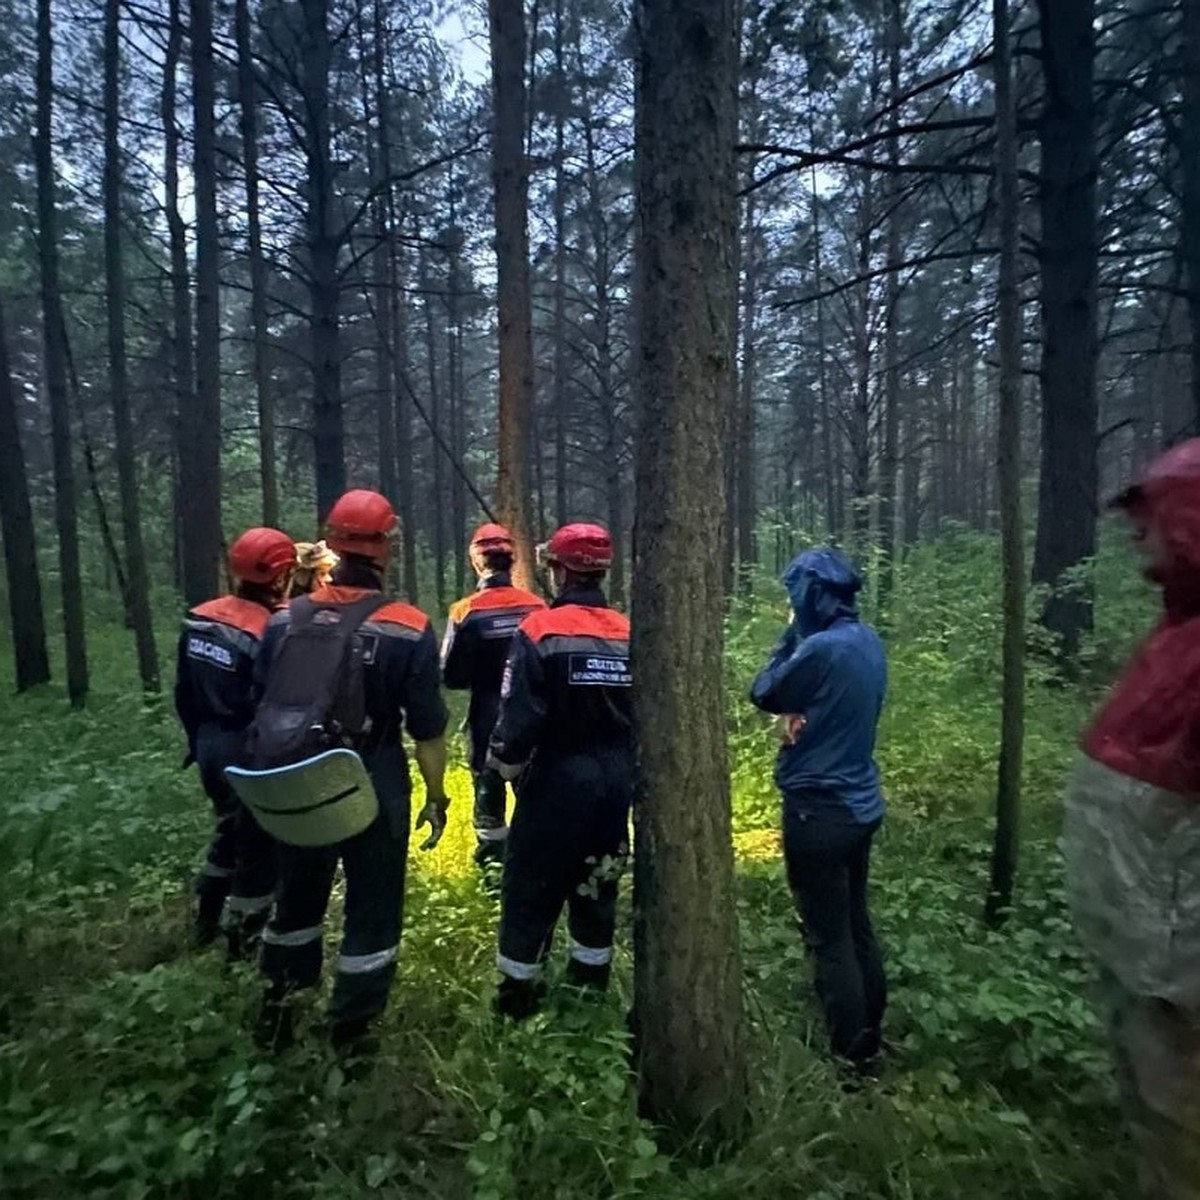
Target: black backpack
315,696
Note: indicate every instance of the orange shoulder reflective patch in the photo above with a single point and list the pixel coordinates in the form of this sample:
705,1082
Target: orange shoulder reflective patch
399,613
459,609
240,614
503,597
576,620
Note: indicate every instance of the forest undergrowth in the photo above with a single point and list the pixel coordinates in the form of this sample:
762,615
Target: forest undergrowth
127,1069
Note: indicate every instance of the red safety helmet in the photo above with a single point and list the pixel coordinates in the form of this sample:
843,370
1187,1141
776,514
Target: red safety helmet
585,549
360,522
490,539
261,555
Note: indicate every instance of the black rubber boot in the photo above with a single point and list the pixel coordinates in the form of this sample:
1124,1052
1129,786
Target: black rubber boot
517,999
206,921
589,975
243,937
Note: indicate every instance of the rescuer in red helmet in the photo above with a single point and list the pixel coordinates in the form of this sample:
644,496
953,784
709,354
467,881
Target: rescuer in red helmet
565,733
214,697
399,692
479,634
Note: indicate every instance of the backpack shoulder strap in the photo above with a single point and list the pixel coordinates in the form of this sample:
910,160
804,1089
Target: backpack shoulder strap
360,612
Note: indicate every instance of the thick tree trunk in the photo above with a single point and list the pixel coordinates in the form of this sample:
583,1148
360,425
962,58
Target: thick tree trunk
247,87
200,424
560,275
181,295
435,419
54,369
324,286
833,520
688,986
890,458
1189,132
385,274
747,551
20,540
860,413
405,446
1012,532
458,435
138,597
510,174
1067,495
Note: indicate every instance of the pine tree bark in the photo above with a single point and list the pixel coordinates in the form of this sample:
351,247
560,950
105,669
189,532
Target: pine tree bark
560,274
181,295
1012,531
890,458
30,656
54,368
324,242
247,89
435,418
833,519
510,176
138,597
384,270
200,424
405,447
860,411
1189,133
688,990
1067,494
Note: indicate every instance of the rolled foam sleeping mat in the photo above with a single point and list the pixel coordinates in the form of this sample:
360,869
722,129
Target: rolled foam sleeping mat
316,802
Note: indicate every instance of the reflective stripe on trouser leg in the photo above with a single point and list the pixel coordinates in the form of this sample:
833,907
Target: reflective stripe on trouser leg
292,959
291,952
591,956
374,863
522,971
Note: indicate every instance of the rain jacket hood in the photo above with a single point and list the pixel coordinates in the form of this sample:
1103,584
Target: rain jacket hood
1165,505
829,668
823,586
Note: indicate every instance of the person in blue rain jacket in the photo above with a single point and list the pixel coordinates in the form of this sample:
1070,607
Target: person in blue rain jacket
826,681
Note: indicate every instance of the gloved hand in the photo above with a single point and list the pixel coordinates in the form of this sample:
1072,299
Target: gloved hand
509,772
433,815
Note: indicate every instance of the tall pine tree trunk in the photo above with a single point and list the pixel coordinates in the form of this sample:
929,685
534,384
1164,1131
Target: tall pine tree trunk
688,986
1012,532
324,285
200,424
510,175
890,459
1067,495
138,597
560,274
1189,133
384,270
55,370
247,87
20,539
435,420
181,296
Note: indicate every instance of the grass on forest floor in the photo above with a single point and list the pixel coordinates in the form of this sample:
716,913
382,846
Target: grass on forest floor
126,1069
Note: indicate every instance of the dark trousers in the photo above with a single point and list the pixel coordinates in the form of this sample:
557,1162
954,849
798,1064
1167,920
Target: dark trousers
827,864
240,869
567,845
375,864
